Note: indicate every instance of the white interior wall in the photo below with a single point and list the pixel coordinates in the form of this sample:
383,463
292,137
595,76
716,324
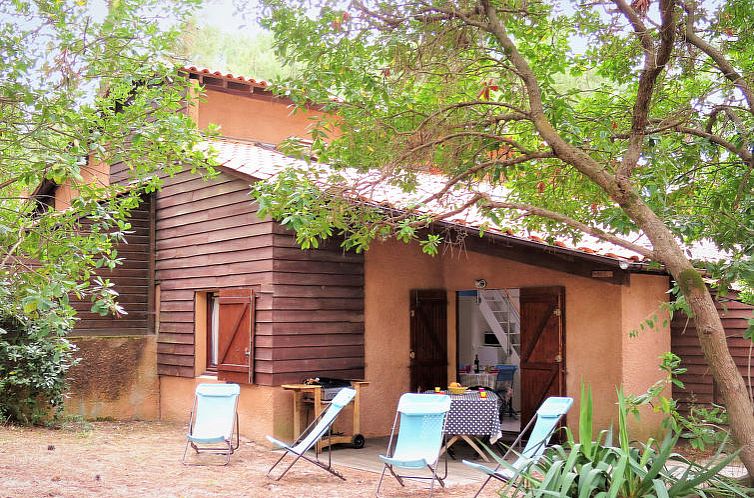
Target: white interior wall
471,328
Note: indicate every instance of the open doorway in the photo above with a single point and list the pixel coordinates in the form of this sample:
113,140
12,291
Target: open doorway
516,336
489,347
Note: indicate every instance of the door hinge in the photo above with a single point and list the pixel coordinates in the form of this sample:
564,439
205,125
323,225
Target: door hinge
413,313
556,312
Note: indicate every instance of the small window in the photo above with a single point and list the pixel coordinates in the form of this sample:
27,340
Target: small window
224,328
213,331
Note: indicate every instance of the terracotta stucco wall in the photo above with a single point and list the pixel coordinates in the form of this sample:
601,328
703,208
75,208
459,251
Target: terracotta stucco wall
262,119
595,324
95,173
642,300
391,270
117,378
262,410
599,351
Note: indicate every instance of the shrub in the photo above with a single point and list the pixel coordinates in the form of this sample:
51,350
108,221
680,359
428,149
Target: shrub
34,359
704,426
597,468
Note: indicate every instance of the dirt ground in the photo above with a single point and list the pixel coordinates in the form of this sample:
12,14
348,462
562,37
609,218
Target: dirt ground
112,459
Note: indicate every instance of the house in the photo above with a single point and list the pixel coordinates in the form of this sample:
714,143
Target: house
213,292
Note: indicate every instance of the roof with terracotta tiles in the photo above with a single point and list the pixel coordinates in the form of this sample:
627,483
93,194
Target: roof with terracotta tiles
224,79
262,161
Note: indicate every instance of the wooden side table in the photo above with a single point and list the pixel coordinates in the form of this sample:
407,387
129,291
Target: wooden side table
298,403
357,439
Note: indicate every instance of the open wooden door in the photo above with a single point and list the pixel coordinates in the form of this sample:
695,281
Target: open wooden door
542,347
236,336
429,339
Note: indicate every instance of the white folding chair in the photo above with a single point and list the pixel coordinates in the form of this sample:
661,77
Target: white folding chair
547,417
214,420
312,434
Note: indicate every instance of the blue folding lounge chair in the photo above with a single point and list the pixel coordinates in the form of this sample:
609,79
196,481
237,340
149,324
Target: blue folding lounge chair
312,434
420,438
547,417
214,420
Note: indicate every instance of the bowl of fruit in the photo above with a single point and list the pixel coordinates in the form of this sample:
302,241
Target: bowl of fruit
456,388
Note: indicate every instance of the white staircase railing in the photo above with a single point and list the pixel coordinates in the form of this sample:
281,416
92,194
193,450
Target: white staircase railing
504,320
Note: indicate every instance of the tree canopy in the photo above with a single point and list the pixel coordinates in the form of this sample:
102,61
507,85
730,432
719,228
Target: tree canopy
83,86
415,89
611,118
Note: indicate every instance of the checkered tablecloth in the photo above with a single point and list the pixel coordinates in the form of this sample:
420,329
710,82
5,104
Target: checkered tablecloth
471,415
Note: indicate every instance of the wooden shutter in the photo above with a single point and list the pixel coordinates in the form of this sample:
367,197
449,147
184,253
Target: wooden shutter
429,339
542,347
235,361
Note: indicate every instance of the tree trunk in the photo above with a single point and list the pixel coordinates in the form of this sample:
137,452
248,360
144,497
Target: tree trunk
665,246
712,338
711,334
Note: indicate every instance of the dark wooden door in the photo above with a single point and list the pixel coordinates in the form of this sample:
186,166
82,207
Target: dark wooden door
542,347
429,339
236,335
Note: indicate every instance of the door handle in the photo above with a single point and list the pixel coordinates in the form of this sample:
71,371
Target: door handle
559,358
412,355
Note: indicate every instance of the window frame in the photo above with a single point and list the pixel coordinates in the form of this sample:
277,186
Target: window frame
213,330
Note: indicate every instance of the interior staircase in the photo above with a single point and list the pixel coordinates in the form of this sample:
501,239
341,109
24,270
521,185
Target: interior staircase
504,320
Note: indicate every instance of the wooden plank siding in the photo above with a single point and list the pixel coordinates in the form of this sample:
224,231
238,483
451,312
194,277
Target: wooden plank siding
132,280
207,237
309,308
120,173
700,388
317,318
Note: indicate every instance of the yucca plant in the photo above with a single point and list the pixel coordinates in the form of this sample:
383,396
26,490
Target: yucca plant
595,468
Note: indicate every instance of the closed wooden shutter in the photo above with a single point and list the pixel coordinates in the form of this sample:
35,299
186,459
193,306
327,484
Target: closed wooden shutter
429,339
236,336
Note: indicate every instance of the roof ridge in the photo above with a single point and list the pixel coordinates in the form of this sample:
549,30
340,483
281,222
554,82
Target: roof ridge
225,75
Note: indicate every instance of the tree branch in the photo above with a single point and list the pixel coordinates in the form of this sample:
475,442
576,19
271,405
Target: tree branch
723,64
561,218
712,119
566,152
9,182
517,114
654,63
742,152
472,171
462,134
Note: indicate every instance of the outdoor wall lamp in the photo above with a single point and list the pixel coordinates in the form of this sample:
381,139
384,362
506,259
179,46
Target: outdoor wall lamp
480,283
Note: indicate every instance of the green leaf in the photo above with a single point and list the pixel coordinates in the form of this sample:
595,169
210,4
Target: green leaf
659,487
585,420
618,476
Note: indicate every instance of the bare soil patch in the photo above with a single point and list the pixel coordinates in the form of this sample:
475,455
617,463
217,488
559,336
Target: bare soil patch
119,459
